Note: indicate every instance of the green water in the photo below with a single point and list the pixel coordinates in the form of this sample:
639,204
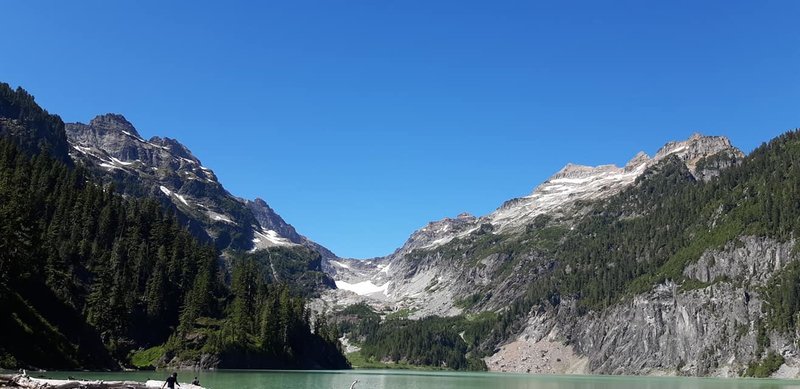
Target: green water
391,379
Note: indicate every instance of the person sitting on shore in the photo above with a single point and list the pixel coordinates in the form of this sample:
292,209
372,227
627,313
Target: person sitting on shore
196,381
171,381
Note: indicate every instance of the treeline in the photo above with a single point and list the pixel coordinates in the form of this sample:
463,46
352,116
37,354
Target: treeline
439,342
29,126
265,326
126,267
298,267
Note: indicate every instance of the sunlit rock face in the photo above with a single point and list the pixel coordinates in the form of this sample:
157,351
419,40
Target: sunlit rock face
164,168
415,276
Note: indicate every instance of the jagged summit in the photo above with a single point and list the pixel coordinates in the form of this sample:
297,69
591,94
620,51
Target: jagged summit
572,184
690,151
438,232
165,168
114,122
113,142
579,171
697,147
586,183
637,160
409,275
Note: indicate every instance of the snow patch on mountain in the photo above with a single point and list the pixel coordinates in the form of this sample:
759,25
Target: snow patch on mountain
264,238
342,265
110,166
219,217
363,288
182,199
124,163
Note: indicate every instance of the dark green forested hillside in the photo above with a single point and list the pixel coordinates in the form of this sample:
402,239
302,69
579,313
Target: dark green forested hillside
29,126
125,267
265,327
298,267
440,342
88,277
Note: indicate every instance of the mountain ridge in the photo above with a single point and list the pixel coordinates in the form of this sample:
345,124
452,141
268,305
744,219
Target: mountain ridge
555,197
170,170
682,263
689,269
102,270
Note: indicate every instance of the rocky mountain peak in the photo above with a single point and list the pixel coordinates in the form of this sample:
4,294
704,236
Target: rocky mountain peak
165,168
114,143
268,219
438,232
272,230
581,171
465,215
571,185
697,147
115,123
638,160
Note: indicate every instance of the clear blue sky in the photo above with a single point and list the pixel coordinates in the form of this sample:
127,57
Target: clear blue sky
360,121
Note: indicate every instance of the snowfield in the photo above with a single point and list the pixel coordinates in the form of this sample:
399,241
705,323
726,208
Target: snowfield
363,288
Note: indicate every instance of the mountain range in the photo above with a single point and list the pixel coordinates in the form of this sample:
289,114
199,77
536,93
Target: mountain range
680,263
562,199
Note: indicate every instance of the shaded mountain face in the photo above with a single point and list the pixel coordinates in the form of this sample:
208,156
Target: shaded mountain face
166,169
89,278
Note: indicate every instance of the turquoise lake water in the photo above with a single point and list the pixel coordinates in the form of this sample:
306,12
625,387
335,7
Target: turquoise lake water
391,379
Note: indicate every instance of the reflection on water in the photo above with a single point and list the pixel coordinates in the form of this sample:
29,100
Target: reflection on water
392,379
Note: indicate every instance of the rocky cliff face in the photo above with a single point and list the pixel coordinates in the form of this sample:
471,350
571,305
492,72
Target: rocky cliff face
269,220
709,330
166,169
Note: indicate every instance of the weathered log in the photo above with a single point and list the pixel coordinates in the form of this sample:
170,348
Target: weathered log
26,382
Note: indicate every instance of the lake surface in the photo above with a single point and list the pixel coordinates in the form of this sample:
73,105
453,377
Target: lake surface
391,379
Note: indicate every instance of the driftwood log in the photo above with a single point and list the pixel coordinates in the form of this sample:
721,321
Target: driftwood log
23,381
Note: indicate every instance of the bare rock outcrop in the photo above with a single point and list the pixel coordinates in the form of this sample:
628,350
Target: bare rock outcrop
707,331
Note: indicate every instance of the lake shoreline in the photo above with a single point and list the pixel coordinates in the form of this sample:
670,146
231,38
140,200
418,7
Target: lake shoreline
24,381
44,374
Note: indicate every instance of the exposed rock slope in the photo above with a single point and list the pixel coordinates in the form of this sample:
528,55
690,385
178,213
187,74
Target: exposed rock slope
166,169
669,330
442,262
